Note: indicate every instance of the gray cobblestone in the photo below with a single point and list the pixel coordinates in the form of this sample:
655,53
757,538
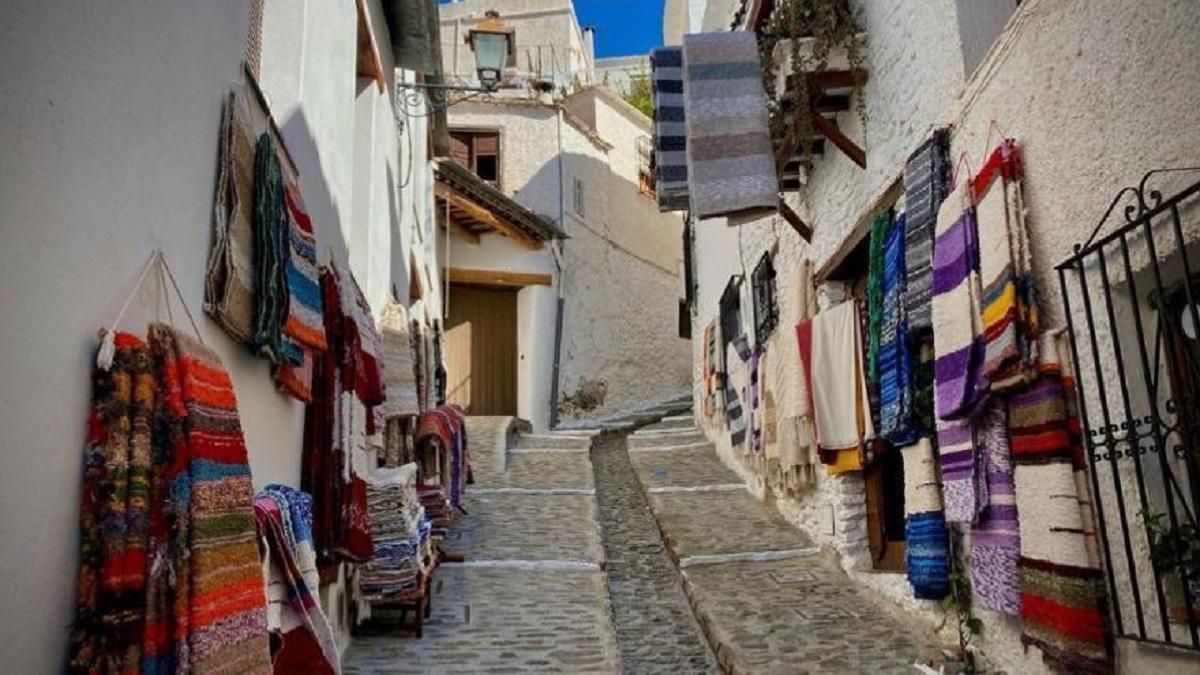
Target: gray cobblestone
527,527
706,523
681,468
656,632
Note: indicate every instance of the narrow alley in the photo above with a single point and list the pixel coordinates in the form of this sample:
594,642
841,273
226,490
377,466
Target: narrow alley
614,337
636,551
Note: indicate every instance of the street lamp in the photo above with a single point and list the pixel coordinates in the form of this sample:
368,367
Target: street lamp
493,45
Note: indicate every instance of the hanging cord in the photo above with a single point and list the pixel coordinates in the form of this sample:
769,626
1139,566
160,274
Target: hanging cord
162,260
108,347
162,271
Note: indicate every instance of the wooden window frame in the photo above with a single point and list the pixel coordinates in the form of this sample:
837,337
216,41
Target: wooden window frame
472,164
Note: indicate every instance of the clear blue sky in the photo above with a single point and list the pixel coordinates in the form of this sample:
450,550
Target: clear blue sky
623,27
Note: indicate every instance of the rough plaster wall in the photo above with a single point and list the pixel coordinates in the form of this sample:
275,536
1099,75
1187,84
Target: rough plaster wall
102,168
622,242
1062,77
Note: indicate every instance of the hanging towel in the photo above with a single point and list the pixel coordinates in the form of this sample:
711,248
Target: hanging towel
956,318
270,256
843,420
730,161
229,277
995,538
1061,589
215,554
670,129
926,177
398,363
735,414
754,394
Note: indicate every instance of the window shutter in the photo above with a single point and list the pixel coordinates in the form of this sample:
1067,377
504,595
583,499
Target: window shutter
460,148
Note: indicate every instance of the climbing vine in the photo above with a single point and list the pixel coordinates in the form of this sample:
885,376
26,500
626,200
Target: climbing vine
829,26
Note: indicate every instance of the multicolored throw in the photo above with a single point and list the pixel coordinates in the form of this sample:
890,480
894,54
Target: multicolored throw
880,225
926,180
444,428
305,639
1009,308
220,607
995,537
305,325
670,128
1061,588
228,278
731,164
270,255
958,458
958,337
110,601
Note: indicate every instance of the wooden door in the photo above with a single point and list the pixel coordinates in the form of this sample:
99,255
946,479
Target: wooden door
481,350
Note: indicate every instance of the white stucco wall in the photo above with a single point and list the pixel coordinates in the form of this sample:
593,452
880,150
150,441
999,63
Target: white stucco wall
621,241
111,114
1092,91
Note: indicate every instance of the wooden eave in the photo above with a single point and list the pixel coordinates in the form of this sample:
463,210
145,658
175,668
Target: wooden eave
474,208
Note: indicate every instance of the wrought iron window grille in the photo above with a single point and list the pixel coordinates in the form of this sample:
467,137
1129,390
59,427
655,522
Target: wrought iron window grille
1130,295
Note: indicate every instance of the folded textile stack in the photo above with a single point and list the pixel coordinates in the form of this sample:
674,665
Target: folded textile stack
401,533
433,500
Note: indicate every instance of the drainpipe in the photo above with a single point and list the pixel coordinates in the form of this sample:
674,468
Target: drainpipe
556,249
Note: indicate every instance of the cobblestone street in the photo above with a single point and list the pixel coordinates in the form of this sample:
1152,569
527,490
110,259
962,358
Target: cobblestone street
643,555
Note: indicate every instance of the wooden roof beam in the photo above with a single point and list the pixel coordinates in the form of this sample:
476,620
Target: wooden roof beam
483,215
497,278
456,228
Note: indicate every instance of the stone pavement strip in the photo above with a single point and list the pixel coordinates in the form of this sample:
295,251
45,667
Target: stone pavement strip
656,631
797,614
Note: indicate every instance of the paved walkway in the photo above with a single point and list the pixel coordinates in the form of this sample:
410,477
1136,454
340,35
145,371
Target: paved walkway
767,599
644,555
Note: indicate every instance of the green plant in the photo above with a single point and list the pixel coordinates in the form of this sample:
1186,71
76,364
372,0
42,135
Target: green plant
1173,549
639,95
957,604
831,27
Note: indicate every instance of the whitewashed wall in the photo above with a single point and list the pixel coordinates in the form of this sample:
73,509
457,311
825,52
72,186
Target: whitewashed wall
620,274
111,115
1097,93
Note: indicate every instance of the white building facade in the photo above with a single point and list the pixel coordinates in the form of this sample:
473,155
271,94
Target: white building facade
111,155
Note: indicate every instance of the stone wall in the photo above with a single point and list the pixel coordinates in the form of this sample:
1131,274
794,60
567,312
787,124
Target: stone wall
1093,91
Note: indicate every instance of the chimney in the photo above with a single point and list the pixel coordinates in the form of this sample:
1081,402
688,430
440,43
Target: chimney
589,52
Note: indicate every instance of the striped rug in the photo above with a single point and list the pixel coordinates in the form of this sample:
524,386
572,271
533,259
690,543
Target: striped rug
731,165
670,131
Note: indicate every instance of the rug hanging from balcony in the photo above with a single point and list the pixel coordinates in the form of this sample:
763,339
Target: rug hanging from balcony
670,129
1009,308
926,180
730,161
1061,588
229,276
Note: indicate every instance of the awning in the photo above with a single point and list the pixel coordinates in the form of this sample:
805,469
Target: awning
475,208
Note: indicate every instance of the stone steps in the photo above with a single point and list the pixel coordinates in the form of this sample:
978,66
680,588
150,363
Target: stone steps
688,437
554,441
766,598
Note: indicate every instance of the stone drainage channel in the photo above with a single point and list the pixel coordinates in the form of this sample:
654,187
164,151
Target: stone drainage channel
656,630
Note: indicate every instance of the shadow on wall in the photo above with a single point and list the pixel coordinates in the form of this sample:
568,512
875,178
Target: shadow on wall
621,288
